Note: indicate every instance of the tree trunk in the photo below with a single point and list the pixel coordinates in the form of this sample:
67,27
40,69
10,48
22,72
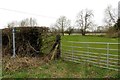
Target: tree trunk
83,32
69,33
63,33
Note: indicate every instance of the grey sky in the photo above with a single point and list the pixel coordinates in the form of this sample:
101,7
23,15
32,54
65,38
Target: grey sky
49,10
119,10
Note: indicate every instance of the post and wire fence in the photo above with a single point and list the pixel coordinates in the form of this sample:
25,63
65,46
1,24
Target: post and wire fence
100,54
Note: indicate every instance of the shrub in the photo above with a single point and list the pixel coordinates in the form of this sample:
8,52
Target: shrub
30,41
112,32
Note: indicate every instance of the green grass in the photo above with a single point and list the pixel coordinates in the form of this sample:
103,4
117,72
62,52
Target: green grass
67,50
67,69
88,38
62,69
77,38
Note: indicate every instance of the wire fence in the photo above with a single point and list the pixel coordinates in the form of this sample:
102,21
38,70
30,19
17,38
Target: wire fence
101,54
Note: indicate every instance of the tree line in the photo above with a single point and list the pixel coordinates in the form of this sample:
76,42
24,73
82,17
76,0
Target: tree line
84,22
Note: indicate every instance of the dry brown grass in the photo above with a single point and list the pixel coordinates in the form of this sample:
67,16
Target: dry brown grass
20,62
17,63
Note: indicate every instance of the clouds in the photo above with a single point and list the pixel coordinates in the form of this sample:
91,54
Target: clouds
119,10
51,8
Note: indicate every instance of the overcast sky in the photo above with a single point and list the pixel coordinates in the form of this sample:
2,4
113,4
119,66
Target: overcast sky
47,11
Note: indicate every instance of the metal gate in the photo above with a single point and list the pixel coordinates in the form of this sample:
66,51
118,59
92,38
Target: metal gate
101,54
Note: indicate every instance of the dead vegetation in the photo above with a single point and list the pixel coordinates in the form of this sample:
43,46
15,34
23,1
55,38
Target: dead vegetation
13,64
30,41
33,45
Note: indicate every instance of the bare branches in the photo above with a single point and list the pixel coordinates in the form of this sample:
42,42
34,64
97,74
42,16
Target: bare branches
23,23
32,47
84,20
62,23
28,22
110,16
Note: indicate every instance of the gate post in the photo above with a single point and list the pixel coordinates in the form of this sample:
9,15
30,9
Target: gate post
58,41
72,52
107,54
13,32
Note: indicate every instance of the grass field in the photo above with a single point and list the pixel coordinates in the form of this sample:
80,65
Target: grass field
62,69
88,38
66,69
77,38
80,52
94,51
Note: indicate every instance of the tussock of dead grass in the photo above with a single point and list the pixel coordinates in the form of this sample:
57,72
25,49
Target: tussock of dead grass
13,64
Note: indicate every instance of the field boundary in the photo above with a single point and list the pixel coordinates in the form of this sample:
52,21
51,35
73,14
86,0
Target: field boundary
105,60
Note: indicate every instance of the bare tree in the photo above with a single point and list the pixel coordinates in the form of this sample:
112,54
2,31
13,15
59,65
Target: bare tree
23,23
110,17
53,28
62,23
28,22
112,21
69,30
12,24
84,20
33,22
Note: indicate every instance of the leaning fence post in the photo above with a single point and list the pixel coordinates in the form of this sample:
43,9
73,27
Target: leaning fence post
61,48
107,54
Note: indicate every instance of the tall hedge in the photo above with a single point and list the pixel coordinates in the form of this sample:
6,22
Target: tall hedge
30,41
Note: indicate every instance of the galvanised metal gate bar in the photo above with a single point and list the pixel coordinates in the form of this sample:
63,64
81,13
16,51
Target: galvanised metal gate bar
101,54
